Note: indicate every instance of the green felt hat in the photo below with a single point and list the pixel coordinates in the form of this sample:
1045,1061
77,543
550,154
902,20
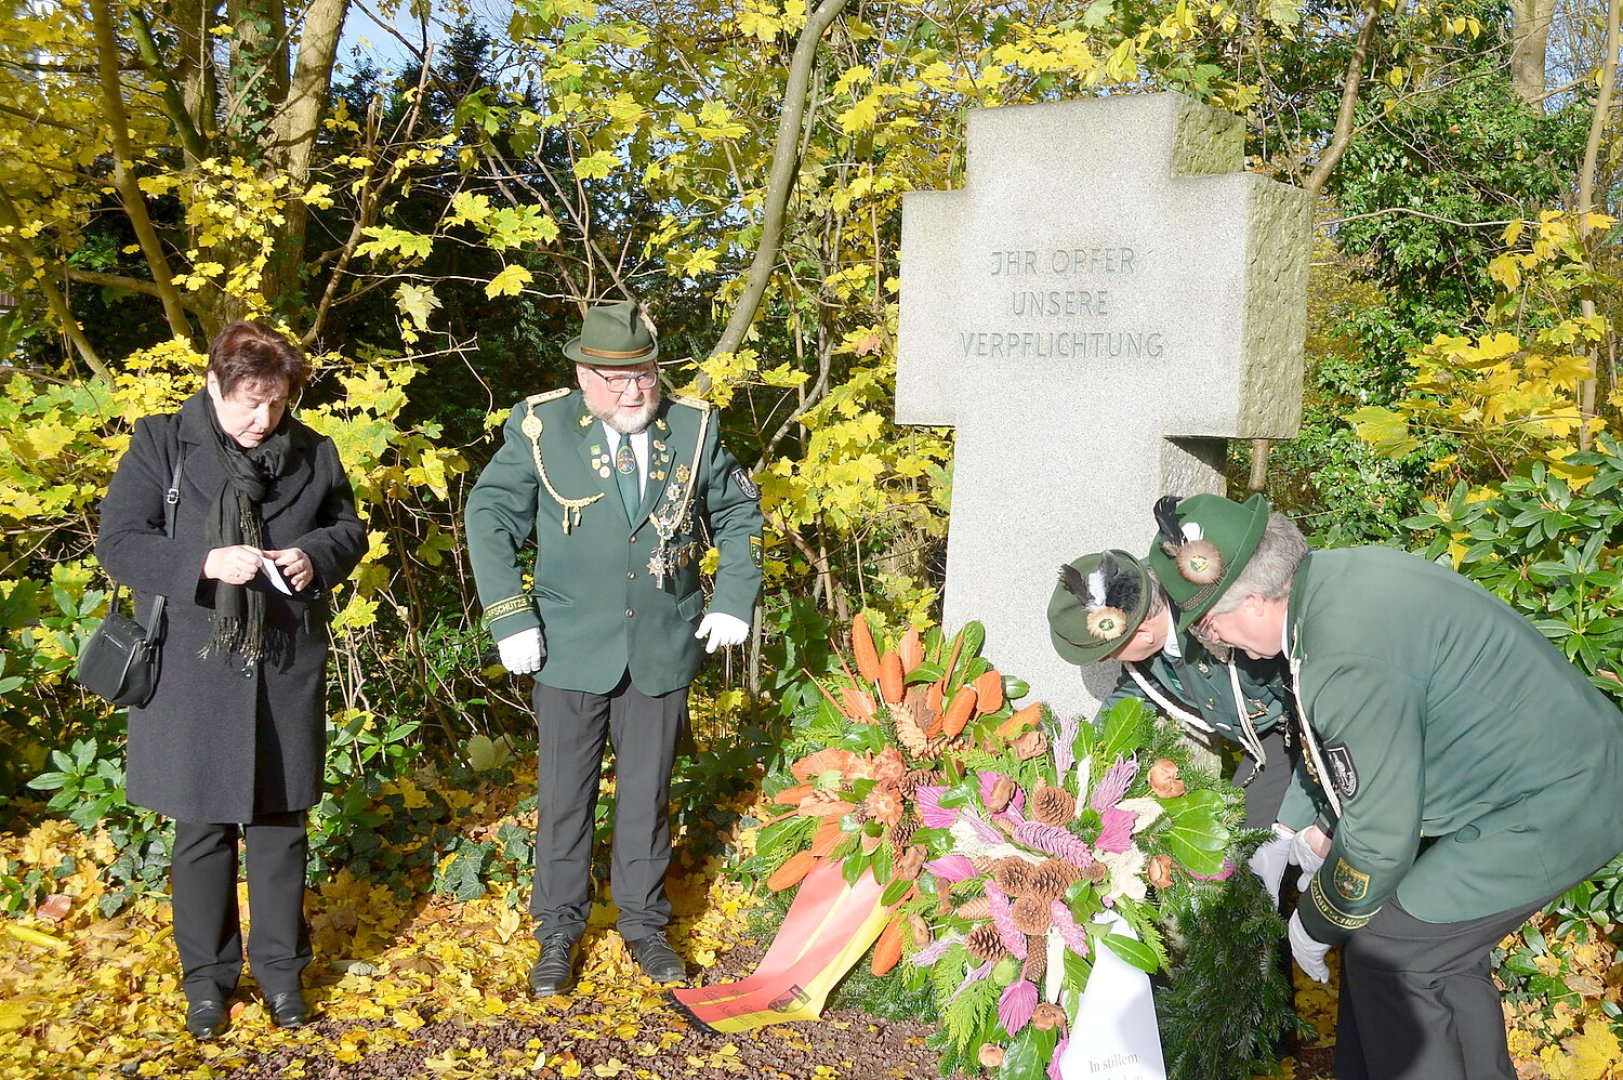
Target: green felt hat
1204,543
614,335
1098,603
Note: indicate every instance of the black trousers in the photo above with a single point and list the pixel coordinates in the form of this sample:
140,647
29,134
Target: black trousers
1418,1000
573,728
208,932
1266,790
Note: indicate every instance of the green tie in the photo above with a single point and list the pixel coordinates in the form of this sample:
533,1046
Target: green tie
625,474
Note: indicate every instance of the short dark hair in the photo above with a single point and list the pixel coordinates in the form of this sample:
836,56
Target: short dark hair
252,352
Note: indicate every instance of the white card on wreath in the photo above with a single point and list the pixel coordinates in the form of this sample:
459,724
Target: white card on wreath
1115,1036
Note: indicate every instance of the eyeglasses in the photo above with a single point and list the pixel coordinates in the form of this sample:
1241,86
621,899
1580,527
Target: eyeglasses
645,380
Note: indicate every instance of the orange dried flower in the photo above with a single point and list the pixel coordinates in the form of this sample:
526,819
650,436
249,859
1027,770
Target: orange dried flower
1047,1017
1159,871
1029,744
1001,795
884,804
1163,778
908,864
990,1056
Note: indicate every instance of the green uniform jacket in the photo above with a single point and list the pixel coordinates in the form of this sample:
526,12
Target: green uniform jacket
1200,684
601,607
1477,770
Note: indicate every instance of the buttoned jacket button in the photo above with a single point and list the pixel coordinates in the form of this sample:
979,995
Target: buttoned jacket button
629,613
631,575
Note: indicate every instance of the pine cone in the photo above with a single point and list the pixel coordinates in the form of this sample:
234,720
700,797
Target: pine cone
984,943
1031,915
1012,875
903,830
1036,965
1049,879
1053,806
977,908
909,733
916,779
982,863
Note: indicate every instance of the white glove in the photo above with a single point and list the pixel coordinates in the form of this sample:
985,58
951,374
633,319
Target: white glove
522,652
1303,855
1308,952
721,629
1269,861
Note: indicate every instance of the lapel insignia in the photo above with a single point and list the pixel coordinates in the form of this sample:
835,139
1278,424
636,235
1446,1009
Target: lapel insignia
1338,759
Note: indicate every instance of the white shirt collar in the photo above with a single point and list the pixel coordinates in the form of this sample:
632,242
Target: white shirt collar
1170,646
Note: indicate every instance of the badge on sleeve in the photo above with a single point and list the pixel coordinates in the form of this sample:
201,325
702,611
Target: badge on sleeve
1350,884
746,485
755,551
1342,772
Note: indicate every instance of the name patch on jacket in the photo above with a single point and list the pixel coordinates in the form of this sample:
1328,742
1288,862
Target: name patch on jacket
746,485
1350,884
1342,772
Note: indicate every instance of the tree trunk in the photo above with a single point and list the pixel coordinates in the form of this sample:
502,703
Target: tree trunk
1529,42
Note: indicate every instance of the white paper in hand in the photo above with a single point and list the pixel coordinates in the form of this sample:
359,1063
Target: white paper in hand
1115,1036
273,574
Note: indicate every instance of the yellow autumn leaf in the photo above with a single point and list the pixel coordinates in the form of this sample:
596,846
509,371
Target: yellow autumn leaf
597,165
510,282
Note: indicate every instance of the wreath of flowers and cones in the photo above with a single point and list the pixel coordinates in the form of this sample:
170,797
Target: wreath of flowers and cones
1007,841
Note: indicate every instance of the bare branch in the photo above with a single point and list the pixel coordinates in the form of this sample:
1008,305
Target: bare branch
781,180
1349,102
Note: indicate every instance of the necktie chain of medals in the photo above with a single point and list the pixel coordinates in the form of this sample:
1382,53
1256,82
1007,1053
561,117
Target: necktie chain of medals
675,513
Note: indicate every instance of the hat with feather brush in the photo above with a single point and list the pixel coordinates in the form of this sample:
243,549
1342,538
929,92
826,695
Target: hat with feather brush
1098,603
1202,544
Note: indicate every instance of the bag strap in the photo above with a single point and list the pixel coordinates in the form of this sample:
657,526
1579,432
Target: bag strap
171,501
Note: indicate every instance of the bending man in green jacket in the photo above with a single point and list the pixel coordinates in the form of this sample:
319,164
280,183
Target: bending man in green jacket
1474,770
1107,606
613,482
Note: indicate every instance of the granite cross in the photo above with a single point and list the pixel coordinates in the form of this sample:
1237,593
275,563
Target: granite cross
1106,302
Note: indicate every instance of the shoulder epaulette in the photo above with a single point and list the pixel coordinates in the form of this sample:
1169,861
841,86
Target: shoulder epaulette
550,395
691,402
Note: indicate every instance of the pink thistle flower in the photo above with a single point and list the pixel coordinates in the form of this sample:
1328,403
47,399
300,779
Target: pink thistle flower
1015,1007
1113,785
1059,1052
950,868
1063,757
1075,938
934,815
1221,875
971,979
1052,840
1117,832
934,951
1003,919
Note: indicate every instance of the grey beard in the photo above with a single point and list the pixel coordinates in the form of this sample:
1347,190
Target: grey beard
629,423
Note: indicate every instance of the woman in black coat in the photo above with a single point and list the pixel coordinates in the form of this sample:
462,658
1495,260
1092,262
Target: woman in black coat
233,741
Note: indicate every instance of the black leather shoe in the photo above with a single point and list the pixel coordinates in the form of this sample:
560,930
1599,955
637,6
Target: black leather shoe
657,959
558,968
288,1009
205,1018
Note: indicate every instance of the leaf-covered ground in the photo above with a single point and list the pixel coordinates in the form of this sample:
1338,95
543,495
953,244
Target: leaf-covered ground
423,985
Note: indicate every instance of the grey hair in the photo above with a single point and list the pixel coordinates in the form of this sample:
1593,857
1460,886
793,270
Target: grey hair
1269,571
1158,599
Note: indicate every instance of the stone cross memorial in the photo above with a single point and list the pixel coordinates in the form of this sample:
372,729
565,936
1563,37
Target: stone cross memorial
1104,304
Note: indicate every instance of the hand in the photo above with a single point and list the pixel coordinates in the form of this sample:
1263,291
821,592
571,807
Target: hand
1309,953
1269,861
722,629
235,565
295,566
1308,849
522,652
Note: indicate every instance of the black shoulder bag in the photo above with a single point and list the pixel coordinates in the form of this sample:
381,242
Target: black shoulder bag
120,661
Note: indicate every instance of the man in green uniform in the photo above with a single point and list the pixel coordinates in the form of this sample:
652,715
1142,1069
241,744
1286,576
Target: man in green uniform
1474,771
612,481
1107,606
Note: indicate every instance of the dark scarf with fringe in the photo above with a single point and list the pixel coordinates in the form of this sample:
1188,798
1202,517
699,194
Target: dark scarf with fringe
239,610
